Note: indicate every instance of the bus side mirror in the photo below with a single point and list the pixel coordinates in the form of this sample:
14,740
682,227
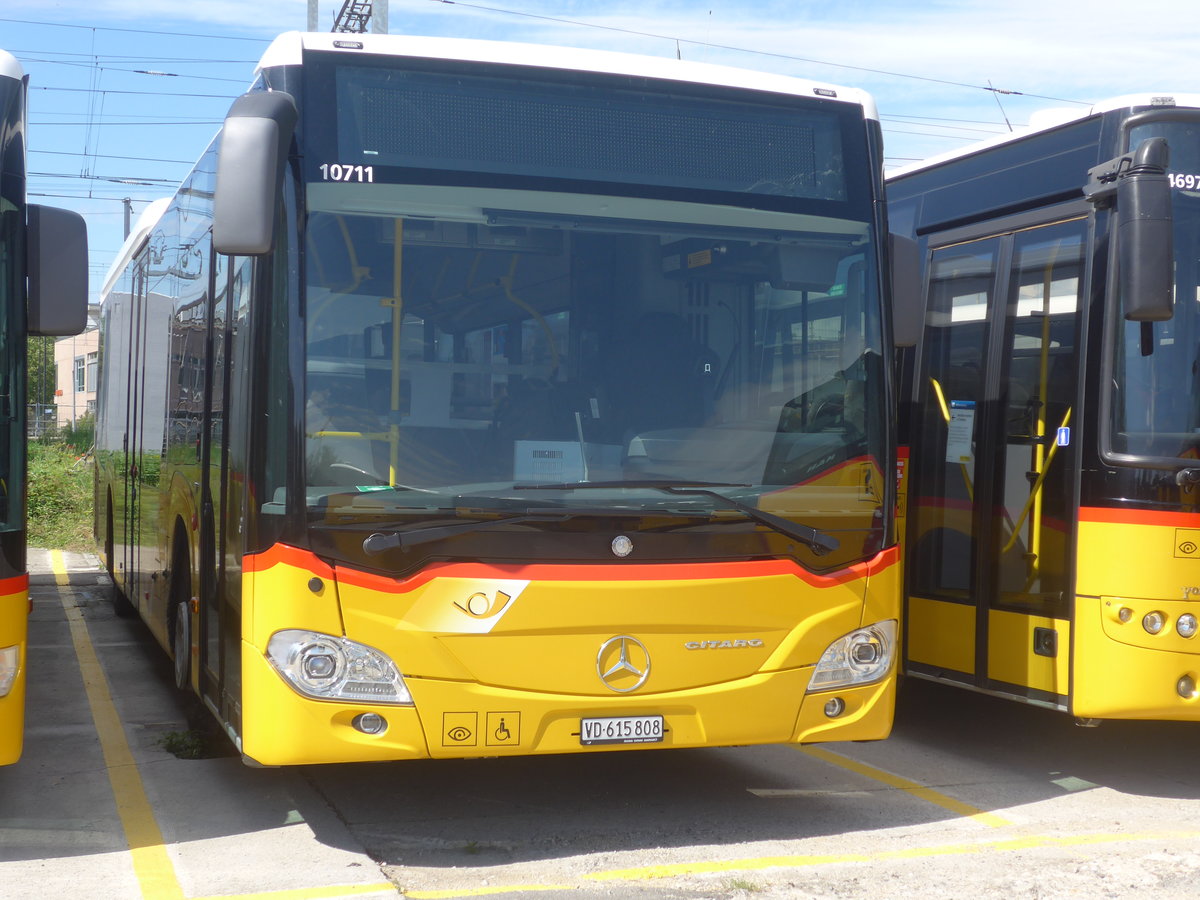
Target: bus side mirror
57,265
908,313
1139,186
1145,235
250,164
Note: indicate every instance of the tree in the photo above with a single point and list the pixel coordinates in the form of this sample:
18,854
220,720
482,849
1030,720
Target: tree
41,371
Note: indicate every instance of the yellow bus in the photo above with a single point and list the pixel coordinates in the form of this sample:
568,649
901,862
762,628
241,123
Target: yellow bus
483,399
43,291
1053,489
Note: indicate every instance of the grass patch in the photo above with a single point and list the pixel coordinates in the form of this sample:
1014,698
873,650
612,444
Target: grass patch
185,744
743,886
60,497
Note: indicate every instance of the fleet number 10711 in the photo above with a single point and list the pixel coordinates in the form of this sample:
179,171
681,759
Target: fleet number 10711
339,172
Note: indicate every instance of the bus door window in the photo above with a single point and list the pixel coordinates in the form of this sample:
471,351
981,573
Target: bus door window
1038,361
950,396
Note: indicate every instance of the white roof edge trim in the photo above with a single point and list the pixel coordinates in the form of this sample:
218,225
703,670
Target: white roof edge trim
146,220
10,67
1047,120
288,49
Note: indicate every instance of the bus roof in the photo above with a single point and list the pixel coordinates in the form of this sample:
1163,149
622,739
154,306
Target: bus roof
287,49
146,220
1047,120
10,67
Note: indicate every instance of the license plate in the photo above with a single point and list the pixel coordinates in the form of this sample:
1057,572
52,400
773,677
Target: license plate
621,730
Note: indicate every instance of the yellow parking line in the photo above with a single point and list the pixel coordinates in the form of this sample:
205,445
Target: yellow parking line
324,893
487,891
646,873
1007,845
151,864
929,795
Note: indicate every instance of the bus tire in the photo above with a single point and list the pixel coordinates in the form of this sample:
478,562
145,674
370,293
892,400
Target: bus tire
181,616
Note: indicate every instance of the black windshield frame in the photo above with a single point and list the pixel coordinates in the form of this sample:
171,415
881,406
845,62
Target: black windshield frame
738,109
13,213
1121,337
861,205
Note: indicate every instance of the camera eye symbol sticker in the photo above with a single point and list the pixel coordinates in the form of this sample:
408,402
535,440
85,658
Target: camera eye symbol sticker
459,729
1187,543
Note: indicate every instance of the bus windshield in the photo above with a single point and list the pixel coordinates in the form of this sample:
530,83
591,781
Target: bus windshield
1156,384
477,343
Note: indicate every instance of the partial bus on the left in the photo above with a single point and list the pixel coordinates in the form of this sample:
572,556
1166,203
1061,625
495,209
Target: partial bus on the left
43,291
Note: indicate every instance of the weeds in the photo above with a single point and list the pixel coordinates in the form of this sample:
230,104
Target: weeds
60,497
185,744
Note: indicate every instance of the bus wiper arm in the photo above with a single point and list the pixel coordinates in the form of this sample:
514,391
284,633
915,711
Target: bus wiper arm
820,542
659,485
382,541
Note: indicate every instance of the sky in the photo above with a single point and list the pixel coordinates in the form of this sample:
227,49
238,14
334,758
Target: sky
126,94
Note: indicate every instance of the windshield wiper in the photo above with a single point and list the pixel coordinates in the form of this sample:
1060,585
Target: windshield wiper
382,541
657,484
818,541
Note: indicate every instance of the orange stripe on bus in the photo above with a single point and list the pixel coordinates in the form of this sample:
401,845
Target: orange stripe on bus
303,559
14,585
285,554
1138,517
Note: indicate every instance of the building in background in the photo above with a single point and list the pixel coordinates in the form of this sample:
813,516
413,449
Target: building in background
76,361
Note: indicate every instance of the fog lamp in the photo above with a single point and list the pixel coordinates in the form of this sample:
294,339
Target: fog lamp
1186,686
835,707
370,723
1153,622
1125,614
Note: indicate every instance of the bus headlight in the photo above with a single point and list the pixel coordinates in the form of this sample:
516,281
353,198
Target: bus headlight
1153,622
860,657
10,658
1186,626
326,667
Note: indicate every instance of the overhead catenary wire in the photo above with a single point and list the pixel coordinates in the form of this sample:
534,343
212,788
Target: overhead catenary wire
770,53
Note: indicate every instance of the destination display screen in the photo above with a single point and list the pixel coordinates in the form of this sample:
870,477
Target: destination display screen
586,131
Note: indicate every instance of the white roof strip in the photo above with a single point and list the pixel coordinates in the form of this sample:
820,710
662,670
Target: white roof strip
287,50
9,67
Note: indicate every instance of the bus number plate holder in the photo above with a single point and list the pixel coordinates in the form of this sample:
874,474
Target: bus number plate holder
621,730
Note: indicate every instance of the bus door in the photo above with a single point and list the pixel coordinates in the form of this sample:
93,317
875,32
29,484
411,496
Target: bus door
221,516
993,471
128,550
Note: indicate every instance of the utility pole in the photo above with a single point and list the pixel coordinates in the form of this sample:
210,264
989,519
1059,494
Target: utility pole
353,17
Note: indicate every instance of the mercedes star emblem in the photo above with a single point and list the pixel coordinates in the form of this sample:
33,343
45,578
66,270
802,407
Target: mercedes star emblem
623,664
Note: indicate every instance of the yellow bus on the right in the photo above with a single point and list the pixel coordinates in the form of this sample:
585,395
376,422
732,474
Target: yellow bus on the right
1050,408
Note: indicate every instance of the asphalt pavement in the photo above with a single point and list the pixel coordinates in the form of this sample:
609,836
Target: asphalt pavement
99,808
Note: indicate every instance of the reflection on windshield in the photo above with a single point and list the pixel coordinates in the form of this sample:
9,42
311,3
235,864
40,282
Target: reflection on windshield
450,357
